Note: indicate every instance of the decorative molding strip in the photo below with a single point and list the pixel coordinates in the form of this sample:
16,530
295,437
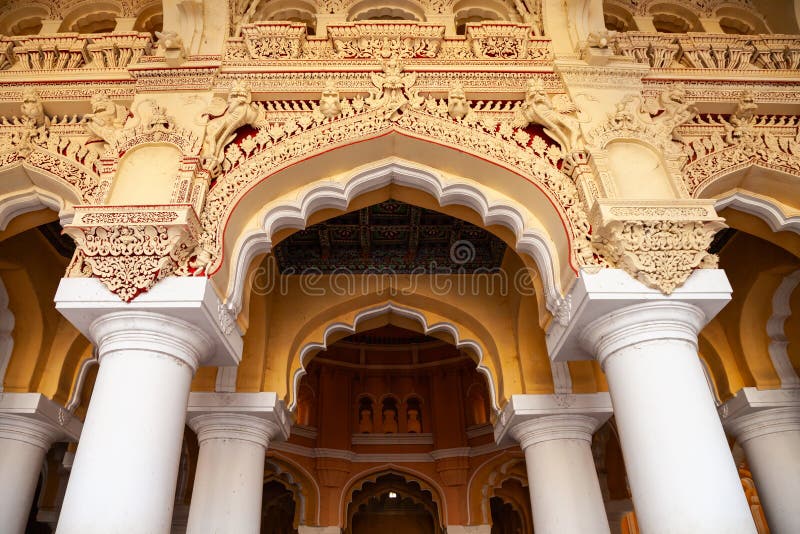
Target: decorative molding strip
768,210
392,439
350,456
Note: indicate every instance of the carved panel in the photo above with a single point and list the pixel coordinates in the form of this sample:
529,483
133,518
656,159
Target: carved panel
374,40
274,40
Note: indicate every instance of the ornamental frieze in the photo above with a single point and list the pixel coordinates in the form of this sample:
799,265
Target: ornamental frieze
657,243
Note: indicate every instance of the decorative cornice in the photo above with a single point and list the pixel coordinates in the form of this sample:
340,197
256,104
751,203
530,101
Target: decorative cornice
657,243
34,419
531,419
392,439
233,426
755,413
192,301
602,296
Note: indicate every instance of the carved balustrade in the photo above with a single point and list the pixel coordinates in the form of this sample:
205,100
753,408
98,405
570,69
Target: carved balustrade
73,51
711,51
118,50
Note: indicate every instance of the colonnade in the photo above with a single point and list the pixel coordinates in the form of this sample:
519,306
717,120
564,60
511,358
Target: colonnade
680,469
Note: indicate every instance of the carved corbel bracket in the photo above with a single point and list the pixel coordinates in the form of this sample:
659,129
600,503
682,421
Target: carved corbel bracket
659,243
130,248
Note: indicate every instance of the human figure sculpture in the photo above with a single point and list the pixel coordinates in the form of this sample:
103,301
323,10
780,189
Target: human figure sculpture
457,104
105,120
557,119
224,118
365,421
413,423
389,421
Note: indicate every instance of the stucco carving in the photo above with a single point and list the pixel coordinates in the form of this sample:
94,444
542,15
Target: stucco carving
274,40
394,89
558,116
717,145
377,40
653,121
659,244
224,118
130,248
105,121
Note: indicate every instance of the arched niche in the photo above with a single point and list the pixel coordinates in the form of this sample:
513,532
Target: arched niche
638,171
146,175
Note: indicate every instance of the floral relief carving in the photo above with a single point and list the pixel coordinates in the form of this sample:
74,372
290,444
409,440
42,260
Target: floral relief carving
717,145
274,40
499,40
129,249
30,139
658,245
653,121
293,130
373,40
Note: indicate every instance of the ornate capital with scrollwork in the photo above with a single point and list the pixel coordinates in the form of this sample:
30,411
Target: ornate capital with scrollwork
658,243
130,248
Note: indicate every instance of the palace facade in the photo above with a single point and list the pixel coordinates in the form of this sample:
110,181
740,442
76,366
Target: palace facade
400,266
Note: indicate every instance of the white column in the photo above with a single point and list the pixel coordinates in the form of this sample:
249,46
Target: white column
767,426
555,432
29,424
681,472
125,470
234,431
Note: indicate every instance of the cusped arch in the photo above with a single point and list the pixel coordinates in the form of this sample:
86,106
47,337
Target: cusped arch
326,330
425,482
547,247
25,188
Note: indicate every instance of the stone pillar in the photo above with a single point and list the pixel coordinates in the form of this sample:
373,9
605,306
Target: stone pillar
29,424
555,431
234,431
681,472
470,529
645,23
125,470
302,529
767,425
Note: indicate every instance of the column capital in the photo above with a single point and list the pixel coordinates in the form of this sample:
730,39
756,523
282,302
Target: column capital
531,419
180,316
34,419
255,417
754,413
607,310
